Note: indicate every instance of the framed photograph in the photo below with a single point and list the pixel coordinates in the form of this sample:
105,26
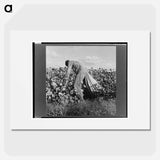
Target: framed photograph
80,80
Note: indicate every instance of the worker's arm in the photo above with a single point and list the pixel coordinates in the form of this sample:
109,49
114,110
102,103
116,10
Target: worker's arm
68,73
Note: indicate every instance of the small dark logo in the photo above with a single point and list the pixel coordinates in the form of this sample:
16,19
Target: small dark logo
8,8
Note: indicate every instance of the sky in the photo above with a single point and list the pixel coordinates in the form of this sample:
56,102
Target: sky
90,56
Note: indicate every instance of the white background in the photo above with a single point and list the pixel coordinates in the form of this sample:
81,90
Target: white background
21,80
87,145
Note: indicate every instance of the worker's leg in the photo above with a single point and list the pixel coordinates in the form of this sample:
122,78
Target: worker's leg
78,85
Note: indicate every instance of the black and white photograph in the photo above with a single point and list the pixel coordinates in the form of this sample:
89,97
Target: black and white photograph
81,80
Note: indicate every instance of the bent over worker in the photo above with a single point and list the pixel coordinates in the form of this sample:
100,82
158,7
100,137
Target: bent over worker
82,76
